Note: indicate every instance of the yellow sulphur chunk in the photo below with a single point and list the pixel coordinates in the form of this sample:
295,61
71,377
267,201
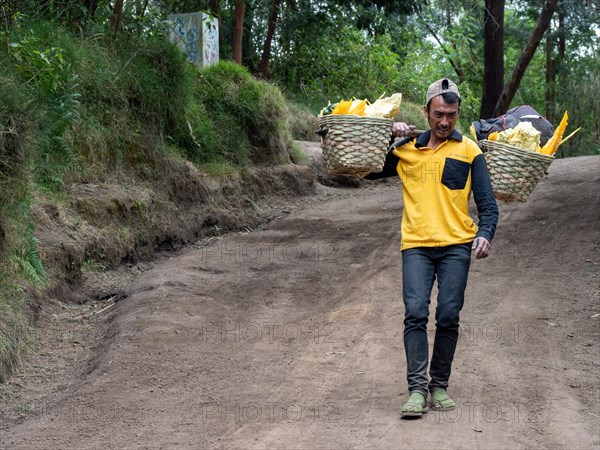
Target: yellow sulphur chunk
554,141
342,107
524,136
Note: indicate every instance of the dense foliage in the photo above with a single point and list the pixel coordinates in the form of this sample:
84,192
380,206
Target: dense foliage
94,109
321,51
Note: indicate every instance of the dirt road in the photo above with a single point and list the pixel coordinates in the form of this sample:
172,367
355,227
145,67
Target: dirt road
291,337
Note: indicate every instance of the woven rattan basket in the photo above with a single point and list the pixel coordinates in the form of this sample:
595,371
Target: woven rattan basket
354,145
514,172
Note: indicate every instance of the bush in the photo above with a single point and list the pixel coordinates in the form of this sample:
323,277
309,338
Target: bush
16,123
302,123
581,101
156,82
97,110
243,118
412,113
19,260
43,61
341,64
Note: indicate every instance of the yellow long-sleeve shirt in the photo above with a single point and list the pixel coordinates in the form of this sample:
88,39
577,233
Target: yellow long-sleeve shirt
437,185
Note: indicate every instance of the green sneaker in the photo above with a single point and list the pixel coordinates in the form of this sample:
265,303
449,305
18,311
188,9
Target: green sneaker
415,406
440,400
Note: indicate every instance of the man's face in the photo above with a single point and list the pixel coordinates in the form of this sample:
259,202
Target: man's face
441,117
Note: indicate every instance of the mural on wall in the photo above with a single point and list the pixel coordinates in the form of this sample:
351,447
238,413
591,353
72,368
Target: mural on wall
211,41
197,35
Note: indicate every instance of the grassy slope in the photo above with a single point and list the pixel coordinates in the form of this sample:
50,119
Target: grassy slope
105,149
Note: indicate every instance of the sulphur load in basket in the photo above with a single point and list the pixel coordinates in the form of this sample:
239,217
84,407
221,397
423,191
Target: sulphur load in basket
386,107
355,134
525,136
516,162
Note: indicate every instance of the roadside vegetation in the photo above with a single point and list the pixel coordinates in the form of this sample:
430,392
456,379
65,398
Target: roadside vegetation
92,110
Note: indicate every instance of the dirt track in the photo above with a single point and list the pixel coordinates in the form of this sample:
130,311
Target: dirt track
292,337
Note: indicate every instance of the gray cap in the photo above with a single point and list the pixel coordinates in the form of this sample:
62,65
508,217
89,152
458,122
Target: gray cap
441,87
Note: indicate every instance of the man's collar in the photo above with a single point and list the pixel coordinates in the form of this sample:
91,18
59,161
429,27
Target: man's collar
423,139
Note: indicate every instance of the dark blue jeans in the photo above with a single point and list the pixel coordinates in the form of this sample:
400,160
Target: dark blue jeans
420,267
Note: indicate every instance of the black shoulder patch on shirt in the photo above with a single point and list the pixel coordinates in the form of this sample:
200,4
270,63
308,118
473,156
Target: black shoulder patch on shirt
456,173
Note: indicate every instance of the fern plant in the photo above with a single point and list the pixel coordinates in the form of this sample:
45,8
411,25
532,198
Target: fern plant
49,71
26,260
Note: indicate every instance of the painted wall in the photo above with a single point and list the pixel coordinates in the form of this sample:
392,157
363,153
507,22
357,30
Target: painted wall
197,35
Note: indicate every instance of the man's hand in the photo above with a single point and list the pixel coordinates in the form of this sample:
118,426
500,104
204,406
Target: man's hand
481,247
401,129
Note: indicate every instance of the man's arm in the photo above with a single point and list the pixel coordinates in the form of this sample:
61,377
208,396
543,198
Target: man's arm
487,209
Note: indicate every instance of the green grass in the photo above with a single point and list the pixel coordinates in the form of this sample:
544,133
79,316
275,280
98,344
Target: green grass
299,154
90,109
218,169
302,122
412,113
14,325
18,253
243,118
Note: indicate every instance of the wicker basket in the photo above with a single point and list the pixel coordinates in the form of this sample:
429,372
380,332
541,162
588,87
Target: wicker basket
514,172
354,145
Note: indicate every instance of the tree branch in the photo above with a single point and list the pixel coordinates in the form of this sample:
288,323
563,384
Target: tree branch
459,71
508,94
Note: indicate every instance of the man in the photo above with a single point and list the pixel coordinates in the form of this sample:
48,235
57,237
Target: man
439,170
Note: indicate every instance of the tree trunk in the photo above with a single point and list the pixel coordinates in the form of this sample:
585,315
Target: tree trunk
561,36
142,9
249,58
238,30
91,6
550,81
266,56
115,20
538,32
493,56
214,6
553,65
